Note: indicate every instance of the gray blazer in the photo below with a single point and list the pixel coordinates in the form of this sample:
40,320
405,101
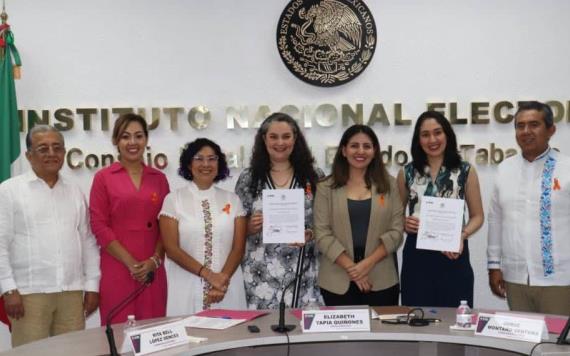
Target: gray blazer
334,235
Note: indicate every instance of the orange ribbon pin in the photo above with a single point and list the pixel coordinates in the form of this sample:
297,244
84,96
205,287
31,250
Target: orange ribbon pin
309,190
154,197
227,208
556,185
381,200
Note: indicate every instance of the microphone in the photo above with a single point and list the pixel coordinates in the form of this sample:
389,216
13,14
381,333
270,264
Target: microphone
564,334
118,308
281,327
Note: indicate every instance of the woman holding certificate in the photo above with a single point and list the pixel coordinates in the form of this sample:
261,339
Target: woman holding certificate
436,278
203,232
280,159
358,225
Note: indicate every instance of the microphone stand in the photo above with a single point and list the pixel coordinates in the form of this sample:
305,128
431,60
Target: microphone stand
281,327
298,279
118,308
564,334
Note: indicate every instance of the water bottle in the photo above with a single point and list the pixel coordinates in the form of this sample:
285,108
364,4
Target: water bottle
130,324
313,304
463,315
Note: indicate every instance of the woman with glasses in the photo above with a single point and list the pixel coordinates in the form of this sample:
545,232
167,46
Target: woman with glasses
125,200
433,278
280,159
203,230
358,225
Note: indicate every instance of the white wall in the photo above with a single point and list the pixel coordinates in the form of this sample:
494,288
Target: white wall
116,53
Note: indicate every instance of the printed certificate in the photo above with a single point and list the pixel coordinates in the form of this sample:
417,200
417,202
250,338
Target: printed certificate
283,216
441,222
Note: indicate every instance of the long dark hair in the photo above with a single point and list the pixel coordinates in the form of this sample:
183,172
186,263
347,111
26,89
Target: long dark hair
375,172
301,158
451,157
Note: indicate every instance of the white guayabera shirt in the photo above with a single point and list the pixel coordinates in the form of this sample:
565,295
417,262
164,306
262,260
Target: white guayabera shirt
46,244
522,218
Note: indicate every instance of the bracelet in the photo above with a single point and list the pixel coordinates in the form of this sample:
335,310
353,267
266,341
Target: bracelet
156,261
200,271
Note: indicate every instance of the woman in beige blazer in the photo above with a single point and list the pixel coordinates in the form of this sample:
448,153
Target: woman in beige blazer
358,225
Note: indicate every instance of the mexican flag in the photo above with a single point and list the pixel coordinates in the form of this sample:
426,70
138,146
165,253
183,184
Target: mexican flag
9,123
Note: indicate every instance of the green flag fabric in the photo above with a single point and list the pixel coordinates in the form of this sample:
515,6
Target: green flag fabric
9,123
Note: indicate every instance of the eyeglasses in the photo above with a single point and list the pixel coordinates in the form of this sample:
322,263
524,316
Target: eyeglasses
204,159
44,150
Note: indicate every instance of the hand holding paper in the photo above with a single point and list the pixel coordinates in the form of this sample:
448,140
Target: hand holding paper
412,224
255,223
455,255
441,221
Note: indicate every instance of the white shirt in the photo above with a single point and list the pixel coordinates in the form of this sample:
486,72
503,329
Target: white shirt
186,206
46,245
515,232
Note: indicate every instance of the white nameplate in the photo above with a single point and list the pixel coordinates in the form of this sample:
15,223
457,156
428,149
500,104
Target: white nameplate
335,320
511,327
156,338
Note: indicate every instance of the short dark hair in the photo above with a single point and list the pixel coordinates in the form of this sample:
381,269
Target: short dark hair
192,148
41,129
451,157
375,172
546,111
123,121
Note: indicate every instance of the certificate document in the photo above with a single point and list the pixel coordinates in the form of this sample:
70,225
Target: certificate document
283,216
441,221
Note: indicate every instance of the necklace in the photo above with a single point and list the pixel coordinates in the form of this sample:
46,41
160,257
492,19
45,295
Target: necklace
284,183
281,170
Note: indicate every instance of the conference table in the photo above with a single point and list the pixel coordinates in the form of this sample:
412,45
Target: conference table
383,339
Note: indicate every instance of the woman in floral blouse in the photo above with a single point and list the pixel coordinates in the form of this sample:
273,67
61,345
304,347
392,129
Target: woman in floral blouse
280,159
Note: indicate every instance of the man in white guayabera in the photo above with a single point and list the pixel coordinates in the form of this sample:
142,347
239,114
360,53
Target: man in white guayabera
529,219
49,260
